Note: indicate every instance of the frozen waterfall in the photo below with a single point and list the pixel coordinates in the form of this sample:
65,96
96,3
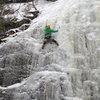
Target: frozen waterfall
69,72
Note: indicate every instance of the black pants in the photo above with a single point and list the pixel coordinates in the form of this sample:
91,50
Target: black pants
48,39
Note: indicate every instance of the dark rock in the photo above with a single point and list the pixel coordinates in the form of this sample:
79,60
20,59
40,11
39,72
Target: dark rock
24,27
24,21
16,1
35,14
10,25
2,41
3,36
6,94
51,0
8,11
1,76
10,32
16,68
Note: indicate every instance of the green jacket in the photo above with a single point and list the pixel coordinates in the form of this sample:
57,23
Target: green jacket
49,31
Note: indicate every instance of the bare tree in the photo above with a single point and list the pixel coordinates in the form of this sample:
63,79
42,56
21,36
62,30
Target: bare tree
33,3
1,7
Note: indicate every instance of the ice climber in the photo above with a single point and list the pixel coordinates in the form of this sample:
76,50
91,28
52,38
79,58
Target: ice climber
48,37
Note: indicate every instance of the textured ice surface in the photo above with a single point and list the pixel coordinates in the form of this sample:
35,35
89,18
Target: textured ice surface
70,71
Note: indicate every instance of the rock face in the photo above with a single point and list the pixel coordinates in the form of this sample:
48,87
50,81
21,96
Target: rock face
51,0
14,64
68,72
17,1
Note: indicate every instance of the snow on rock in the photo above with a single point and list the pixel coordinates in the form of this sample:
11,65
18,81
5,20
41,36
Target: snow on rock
69,72
46,85
19,9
